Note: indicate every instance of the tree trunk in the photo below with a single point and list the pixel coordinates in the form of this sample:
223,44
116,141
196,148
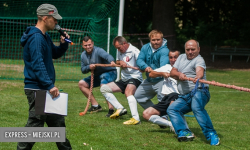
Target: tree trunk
163,20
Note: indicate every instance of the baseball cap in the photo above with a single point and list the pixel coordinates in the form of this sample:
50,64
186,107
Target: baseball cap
48,10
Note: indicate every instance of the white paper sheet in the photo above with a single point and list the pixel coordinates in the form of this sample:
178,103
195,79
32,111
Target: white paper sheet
58,105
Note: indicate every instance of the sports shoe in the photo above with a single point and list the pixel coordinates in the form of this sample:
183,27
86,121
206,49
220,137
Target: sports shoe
95,109
162,127
132,121
111,111
215,140
118,113
172,129
185,136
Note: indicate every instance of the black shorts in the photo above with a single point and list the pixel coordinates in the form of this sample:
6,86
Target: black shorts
162,106
122,85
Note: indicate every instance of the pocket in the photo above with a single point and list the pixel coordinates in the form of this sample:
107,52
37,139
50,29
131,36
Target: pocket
205,95
30,96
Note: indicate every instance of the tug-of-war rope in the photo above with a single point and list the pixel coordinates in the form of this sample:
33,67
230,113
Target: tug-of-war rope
92,80
221,85
190,79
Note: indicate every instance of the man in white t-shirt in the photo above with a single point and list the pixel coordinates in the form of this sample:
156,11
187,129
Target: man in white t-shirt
130,80
169,89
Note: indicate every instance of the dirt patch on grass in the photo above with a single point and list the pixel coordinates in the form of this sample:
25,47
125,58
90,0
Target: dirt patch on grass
5,84
18,68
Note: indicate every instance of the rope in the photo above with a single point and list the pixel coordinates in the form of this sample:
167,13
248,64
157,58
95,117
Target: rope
109,65
92,83
220,84
189,79
90,92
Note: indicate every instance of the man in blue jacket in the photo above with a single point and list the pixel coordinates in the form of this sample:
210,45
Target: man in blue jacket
153,55
39,72
102,75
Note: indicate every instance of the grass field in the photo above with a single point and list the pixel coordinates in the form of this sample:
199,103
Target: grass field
229,110
13,69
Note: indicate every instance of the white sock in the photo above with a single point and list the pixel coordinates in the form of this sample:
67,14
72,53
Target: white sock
112,99
95,105
160,121
133,107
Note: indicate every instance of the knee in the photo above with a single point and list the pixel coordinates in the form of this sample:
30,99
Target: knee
170,110
146,115
105,89
128,93
82,83
196,109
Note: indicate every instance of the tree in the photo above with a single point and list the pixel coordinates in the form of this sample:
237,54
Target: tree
163,19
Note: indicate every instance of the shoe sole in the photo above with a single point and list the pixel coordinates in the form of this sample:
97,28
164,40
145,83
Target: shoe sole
120,114
95,110
133,124
185,139
216,144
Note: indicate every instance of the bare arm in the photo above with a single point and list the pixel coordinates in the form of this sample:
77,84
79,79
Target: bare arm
175,73
154,74
199,73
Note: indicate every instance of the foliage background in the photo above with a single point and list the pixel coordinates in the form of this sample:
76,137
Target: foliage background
211,22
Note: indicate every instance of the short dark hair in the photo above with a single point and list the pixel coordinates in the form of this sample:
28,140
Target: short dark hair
120,40
41,17
175,50
86,38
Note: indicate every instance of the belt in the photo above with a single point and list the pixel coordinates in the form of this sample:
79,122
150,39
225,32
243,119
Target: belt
204,87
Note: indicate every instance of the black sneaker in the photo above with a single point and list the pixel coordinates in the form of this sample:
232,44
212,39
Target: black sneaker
95,109
111,111
163,127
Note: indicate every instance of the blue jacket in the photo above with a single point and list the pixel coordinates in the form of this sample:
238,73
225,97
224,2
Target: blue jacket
38,52
154,60
98,56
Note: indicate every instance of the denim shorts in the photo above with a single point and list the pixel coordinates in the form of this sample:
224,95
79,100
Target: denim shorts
104,78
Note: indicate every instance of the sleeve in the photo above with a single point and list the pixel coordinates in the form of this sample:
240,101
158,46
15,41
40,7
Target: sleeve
140,62
37,62
177,62
200,63
104,55
167,68
164,59
84,67
136,53
58,51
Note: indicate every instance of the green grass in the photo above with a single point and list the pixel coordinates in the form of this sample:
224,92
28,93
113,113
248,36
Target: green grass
229,110
13,69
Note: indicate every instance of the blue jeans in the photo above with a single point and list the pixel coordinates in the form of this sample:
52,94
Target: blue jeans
104,78
187,103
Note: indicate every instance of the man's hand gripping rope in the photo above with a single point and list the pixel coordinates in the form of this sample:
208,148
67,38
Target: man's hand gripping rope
92,80
220,84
